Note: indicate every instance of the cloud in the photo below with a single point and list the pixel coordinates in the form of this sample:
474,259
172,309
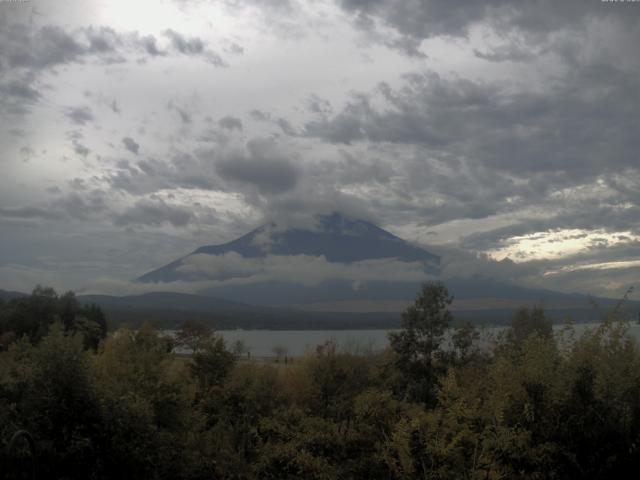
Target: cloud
27,51
23,278
131,145
230,123
72,206
404,25
601,270
18,90
154,213
464,150
79,115
29,212
148,42
42,48
48,46
80,149
232,268
473,149
183,111
193,46
262,165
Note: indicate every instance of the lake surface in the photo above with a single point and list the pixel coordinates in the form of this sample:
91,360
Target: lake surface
262,343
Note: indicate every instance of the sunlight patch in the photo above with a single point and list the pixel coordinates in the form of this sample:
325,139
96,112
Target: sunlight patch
622,264
556,244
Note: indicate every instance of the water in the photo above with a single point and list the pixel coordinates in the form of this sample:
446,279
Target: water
263,343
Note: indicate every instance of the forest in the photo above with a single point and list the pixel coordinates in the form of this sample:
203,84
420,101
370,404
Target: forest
80,402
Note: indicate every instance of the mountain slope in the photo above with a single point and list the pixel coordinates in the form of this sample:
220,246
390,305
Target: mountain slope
10,295
167,301
338,239
169,310
304,269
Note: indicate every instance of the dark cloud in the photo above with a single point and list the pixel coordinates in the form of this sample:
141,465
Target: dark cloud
18,92
46,47
318,104
79,115
80,149
193,46
415,21
285,126
423,18
38,48
84,206
26,51
581,125
353,170
74,206
230,123
180,170
29,212
183,111
262,166
148,42
183,45
131,145
106,43
260,116
506,53
154,213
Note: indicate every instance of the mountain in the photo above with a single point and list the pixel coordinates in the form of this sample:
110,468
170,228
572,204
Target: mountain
486,300
169,310
166,301
337,238
347,266
10,295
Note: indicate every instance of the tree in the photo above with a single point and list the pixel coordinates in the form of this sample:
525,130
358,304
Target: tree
212,363
280,351
463,341
240,348
416,345
58,406
526,322
194,335
33,316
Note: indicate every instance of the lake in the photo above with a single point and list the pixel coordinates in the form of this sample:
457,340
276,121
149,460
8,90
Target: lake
261,343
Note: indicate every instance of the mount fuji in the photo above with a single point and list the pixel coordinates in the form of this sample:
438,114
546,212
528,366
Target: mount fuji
337,258
340,264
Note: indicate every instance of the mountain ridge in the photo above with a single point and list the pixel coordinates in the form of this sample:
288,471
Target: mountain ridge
337,238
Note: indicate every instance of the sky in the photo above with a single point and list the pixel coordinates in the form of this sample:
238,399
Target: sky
500,135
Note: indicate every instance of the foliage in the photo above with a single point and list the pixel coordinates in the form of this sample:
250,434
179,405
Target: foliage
193,335
417,344
33,316
534,404
212,363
